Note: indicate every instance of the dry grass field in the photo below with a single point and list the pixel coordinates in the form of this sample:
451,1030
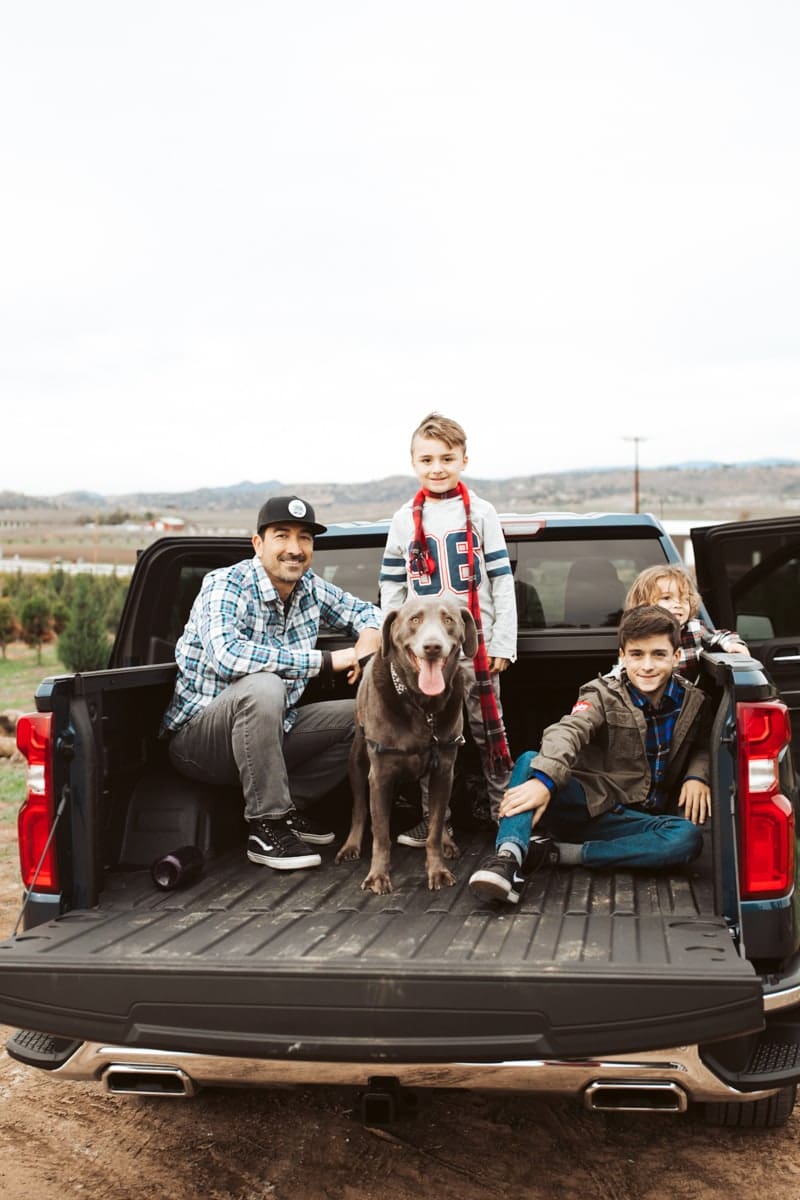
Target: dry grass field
63,535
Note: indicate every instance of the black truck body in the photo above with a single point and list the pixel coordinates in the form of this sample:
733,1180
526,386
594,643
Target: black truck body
631,989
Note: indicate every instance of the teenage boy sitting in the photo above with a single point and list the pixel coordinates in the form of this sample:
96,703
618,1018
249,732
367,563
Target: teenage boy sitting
603,785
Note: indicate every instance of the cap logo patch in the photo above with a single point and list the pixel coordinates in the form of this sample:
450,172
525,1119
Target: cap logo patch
297,508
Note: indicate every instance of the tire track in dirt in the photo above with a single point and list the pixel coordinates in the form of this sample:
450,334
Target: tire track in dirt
61,1140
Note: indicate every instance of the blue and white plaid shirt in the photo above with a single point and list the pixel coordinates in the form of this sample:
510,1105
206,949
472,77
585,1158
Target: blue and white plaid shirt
238,625
658,739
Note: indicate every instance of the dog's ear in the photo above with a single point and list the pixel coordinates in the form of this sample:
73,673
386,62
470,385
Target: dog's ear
386,632
470,633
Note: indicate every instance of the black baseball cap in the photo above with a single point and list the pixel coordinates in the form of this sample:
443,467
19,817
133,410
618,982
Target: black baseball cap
288,510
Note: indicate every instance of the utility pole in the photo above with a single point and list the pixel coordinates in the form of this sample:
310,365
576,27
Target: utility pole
636,439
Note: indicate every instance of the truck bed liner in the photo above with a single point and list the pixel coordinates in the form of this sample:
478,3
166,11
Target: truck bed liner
254,961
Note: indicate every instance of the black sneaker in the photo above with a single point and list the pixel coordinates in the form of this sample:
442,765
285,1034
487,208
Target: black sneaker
542,852
274,844
417,835
494,878
308,830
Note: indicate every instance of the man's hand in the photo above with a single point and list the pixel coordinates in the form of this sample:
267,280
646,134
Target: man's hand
531,796
498,665
695,800
346,660
369,642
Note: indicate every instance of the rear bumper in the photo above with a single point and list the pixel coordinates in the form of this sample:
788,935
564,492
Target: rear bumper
678,1074
782,992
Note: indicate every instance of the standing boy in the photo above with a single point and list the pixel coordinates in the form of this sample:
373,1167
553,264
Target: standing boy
608,773
448,541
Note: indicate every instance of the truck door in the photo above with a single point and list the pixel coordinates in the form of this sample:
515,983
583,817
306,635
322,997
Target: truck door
749,576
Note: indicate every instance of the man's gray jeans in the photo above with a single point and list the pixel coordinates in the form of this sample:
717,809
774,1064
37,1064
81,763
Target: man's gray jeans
239,737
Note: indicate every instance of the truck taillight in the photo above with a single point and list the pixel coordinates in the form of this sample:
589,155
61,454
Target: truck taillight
766,817
37,813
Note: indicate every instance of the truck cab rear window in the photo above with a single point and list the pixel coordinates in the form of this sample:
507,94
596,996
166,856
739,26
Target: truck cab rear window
574,584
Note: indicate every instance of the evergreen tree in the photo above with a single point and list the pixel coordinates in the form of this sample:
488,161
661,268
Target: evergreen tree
60,615
56,579
36,618
114,591
84,646
8,624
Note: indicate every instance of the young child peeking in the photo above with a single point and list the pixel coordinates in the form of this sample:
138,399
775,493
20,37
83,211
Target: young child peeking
670,586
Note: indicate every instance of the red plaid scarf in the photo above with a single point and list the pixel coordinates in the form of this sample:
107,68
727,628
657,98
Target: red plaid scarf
421,563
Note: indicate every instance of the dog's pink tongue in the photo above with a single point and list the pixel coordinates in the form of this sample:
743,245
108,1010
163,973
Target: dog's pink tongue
431,677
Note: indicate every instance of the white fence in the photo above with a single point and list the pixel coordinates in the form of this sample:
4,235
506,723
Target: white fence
42,566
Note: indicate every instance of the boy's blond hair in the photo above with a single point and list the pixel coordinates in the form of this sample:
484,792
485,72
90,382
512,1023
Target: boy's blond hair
644,588
443,429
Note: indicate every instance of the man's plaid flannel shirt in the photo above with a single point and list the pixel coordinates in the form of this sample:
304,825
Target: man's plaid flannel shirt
238,625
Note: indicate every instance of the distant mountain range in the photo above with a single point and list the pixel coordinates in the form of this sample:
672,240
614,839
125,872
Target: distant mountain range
766,485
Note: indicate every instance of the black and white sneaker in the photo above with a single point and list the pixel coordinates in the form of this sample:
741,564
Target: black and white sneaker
542,852
308,830
500,877
494,878
417,835
275,844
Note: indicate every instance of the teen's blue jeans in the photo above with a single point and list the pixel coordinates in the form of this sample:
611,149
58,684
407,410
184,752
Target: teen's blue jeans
624,837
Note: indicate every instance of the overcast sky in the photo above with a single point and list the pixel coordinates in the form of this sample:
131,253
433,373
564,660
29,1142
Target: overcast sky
262,240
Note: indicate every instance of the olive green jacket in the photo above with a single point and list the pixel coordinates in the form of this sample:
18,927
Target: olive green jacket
601,743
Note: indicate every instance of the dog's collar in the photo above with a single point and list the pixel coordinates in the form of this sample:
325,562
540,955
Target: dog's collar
399,686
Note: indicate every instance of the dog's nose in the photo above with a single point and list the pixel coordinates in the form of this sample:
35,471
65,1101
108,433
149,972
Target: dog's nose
432,649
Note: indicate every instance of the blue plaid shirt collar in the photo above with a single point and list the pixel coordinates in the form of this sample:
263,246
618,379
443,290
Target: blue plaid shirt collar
660,724
672,697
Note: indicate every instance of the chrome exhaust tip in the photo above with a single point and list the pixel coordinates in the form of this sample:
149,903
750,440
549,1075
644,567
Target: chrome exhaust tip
630,1096
127,1079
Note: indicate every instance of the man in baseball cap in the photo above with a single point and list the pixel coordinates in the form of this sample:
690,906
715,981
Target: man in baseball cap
244,660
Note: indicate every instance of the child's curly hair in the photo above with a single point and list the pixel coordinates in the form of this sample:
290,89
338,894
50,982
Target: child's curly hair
645,587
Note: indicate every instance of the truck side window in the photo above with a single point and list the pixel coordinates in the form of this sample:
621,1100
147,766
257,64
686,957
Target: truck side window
766,593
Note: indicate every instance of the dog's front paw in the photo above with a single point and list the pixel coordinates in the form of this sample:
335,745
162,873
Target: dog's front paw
378,883
449,848
349,852
439,877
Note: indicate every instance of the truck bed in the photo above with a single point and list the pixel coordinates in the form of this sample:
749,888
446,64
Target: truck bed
252,961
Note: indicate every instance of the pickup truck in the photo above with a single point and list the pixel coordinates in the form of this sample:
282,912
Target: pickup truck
629,990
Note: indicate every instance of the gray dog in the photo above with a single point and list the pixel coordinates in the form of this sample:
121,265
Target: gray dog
408,724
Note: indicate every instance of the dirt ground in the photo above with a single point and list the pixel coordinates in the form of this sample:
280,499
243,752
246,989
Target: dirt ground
61,1140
